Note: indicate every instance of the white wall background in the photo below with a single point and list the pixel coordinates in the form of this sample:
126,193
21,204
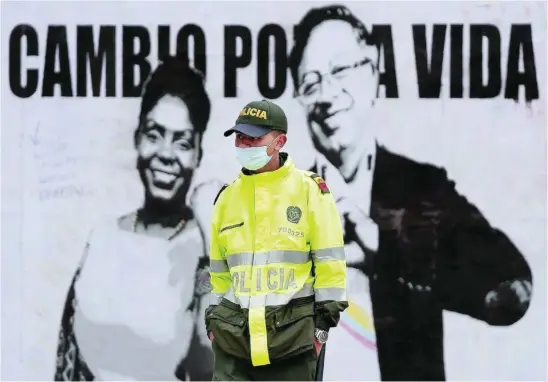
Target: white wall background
494,149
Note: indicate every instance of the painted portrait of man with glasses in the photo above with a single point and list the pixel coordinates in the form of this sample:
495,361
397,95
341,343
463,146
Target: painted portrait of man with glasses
422,246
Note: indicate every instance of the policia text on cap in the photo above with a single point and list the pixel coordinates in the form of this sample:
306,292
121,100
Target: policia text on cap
277,264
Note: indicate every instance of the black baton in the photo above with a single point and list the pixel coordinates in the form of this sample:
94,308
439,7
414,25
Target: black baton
319,366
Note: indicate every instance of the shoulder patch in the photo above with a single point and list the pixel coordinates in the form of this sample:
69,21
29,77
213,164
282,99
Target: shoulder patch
321,183
219,194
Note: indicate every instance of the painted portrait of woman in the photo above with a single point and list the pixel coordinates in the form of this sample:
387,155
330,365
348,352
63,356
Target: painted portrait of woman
133,310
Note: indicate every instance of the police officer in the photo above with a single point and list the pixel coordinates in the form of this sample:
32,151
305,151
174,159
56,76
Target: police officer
277,264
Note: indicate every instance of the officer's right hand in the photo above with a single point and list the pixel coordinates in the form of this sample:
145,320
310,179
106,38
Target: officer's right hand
365,229
211,336
318,347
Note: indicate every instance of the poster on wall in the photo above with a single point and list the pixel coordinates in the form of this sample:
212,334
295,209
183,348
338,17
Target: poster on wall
426,119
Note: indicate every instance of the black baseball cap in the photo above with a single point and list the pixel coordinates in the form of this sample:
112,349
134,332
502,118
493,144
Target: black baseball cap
258,118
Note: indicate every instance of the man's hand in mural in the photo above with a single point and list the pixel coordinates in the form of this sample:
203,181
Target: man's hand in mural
510,298
360,231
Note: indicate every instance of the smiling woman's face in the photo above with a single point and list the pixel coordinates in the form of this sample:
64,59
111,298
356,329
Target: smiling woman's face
167,149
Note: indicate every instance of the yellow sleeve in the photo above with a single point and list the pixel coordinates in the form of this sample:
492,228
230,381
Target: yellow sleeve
327,248
218,267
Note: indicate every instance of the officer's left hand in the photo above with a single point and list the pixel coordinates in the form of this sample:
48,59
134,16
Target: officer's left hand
318,346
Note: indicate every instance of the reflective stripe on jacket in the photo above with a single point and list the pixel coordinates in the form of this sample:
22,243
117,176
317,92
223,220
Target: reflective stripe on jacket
276,261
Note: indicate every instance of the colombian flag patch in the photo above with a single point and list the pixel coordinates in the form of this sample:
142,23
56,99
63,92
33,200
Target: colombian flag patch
321,183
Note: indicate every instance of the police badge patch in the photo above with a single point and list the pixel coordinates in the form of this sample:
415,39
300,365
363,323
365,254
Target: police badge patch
293,214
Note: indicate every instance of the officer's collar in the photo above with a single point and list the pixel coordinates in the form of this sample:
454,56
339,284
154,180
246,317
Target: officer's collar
287,166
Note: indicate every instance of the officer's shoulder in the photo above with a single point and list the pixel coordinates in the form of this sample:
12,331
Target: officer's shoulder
316,181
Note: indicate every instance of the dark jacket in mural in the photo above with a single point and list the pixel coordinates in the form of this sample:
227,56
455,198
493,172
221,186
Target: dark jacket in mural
436,251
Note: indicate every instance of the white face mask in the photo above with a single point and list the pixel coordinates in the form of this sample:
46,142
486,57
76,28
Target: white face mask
254,158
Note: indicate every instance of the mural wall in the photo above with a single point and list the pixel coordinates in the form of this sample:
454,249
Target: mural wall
427,121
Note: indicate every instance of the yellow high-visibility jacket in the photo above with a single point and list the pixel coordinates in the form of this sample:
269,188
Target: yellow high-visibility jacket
277,264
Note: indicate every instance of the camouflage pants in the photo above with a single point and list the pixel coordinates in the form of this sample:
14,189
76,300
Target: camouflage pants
299,368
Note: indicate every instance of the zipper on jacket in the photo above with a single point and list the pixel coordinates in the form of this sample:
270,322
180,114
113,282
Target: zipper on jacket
254,234
231,226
